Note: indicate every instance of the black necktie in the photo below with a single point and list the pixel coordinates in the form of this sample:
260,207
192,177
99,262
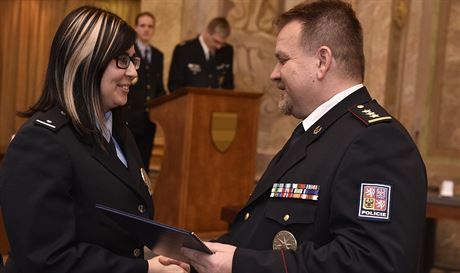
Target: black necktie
147,54
296,135
298,132
211,58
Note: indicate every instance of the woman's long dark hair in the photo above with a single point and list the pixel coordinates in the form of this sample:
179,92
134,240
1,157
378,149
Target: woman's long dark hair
83,46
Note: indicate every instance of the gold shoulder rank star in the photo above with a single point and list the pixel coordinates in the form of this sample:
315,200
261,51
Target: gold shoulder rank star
370,113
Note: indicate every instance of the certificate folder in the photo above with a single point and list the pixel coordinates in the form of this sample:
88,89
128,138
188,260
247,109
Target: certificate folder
162,239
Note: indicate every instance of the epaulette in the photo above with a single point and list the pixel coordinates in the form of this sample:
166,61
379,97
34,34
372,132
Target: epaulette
370,113
53,119
185,42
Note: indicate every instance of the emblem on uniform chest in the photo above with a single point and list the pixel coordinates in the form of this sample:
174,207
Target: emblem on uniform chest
223,66
147,182
284,240
194,68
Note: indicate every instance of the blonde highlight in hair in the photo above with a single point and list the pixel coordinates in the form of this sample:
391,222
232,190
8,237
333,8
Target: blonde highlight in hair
82,50
85,47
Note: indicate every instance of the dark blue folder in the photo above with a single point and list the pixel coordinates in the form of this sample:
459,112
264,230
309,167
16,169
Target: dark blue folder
162,239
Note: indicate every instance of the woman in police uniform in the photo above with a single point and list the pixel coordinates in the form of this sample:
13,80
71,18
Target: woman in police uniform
75,152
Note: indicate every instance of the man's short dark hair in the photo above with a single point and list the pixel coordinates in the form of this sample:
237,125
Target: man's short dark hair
334,24
220,25
145,13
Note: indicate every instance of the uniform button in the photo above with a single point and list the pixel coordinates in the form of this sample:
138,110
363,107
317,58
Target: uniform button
210,76
286,217
136,252
146,67
148,86
141,208
148,97
63,113
246,216
147,109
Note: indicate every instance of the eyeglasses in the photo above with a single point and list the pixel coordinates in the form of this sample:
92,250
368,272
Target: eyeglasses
124,59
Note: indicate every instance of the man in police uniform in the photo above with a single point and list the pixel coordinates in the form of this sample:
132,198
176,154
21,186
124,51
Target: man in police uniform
206,61
347,193
148,86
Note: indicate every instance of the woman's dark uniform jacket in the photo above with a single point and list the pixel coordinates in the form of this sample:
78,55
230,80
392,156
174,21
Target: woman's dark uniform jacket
51,180
338,153
189,67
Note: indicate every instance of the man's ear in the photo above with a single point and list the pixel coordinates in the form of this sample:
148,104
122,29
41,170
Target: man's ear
324,55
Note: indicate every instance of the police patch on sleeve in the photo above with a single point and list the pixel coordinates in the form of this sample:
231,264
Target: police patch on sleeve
374,202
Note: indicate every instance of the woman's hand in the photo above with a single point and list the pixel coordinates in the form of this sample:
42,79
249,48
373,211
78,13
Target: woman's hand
156,267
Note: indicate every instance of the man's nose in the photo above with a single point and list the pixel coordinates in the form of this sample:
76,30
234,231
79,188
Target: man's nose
275,75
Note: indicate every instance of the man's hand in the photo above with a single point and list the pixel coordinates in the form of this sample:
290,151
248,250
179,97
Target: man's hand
219,262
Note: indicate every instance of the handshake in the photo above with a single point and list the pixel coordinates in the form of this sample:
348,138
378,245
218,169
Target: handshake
180,248
218,262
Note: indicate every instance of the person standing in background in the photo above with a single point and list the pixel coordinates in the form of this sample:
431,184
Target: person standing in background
149,85
206,61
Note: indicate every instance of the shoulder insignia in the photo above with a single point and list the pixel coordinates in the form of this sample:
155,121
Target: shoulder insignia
370,113
185,42
374,202
53,119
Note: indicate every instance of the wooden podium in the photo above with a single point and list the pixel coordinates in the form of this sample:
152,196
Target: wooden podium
209,156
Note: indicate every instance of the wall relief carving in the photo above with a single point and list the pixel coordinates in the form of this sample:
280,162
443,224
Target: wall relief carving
253,37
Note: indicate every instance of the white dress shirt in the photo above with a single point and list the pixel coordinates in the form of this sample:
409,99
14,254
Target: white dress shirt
328,105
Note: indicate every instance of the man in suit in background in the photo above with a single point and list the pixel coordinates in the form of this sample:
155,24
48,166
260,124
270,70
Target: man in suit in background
149,86
347,193
206,61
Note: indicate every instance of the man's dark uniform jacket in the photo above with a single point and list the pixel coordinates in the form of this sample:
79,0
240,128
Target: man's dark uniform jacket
353,153
50,180
148,87
189,67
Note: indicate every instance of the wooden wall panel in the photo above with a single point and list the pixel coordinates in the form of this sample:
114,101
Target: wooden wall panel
444,138
443,126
